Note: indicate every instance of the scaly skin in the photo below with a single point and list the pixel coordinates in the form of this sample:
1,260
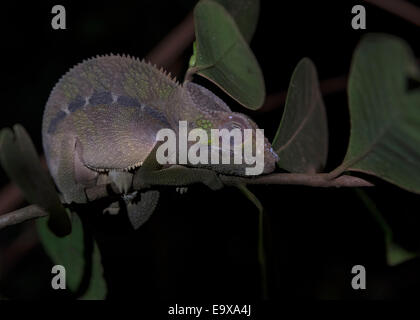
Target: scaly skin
103,115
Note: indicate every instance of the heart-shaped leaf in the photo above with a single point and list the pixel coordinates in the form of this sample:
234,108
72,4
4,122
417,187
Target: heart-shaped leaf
384,112
20,160
245,13
73,252
301,141
224,57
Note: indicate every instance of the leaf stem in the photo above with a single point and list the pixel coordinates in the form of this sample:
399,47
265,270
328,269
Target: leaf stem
190,72
337,171
193,70
372,208
261,247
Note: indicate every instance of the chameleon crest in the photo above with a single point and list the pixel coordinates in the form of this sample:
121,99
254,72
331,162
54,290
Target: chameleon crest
101,120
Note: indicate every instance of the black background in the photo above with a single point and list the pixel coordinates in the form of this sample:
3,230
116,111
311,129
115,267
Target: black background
202,246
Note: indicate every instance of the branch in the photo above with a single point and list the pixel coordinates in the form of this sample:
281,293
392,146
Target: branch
312,180
21,215
102,191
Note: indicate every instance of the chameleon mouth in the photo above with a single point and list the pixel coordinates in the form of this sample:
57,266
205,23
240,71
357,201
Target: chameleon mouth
128,168
271,151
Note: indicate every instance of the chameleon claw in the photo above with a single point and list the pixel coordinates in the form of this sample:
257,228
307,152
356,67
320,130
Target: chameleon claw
181,190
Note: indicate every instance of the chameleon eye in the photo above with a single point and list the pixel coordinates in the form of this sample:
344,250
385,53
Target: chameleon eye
236,125
231,125
236,121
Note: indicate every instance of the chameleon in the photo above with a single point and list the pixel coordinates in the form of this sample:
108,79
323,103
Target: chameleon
100,123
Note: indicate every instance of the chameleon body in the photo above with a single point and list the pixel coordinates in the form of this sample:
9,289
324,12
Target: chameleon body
101,119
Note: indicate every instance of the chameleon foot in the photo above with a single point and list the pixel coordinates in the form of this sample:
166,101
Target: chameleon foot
139,212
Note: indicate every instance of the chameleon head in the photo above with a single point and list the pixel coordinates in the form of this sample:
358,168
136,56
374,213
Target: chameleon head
250,141
211,112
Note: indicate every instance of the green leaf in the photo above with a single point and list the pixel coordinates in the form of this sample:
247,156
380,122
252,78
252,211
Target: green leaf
396,255
245,13
193,58
72,252
385,114
97,288
20,160
224,57
301,141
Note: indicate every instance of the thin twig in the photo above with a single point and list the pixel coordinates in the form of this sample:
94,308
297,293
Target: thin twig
21,215
401,8
322,180
312,180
